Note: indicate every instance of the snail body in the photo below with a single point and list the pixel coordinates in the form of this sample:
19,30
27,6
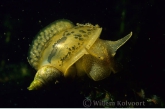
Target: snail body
62,49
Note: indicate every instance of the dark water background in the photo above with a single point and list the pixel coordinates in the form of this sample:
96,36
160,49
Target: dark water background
142,57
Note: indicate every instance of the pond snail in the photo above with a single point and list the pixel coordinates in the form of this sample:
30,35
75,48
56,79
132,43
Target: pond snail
64,50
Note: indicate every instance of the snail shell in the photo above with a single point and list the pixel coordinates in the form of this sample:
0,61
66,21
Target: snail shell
62,49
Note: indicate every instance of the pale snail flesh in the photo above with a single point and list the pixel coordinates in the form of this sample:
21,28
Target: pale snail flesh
62,49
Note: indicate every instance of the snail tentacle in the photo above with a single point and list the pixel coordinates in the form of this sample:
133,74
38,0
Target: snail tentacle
115,45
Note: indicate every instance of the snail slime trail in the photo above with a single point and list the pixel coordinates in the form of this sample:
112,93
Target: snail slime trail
64,50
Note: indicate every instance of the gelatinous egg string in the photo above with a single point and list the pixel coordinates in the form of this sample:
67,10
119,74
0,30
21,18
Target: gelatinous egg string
43,36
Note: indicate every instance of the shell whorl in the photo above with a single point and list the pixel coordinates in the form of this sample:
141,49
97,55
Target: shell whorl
43,36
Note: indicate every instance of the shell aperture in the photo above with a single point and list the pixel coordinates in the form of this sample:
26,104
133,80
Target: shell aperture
55,48
65,51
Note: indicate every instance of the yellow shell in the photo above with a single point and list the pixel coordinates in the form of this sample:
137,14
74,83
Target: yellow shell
62,49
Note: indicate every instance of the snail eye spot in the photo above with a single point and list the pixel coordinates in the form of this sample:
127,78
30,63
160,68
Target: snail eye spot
101,58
